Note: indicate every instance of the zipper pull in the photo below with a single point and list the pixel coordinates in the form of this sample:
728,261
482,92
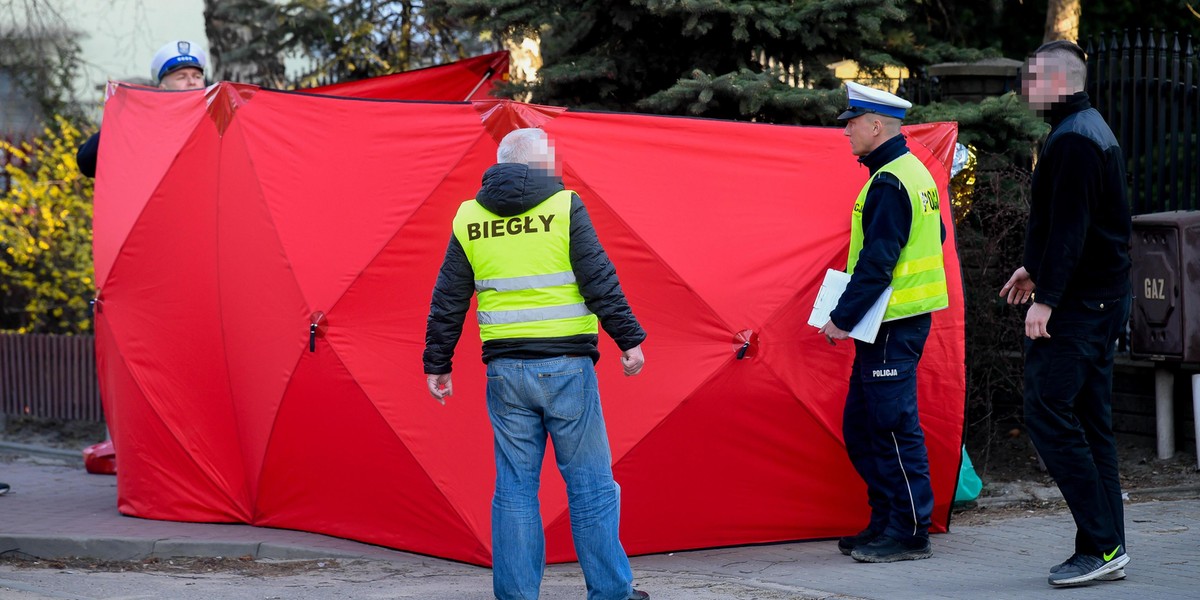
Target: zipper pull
316,320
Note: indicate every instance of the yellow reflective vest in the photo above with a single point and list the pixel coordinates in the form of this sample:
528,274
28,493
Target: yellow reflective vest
919,279
523,277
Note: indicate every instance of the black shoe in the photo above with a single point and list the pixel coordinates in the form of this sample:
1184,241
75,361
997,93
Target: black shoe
1064,564
848,543
638,595
1117,575
3,489
887,549
1085,568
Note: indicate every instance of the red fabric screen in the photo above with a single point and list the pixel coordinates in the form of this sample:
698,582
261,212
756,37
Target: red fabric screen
225,219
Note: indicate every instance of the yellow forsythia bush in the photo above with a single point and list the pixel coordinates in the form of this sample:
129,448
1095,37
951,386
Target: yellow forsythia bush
46,276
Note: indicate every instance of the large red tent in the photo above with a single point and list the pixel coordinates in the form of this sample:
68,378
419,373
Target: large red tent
226,220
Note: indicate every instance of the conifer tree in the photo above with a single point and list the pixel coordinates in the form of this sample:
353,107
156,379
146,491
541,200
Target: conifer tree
750,59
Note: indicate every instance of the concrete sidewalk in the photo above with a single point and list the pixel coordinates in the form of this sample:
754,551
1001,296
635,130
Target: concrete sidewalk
55,510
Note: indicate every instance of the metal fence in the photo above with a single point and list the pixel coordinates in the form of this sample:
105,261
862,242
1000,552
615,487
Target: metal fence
1145,85
49,376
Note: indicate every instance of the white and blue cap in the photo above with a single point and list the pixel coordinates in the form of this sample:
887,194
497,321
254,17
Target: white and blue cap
177,55
865,100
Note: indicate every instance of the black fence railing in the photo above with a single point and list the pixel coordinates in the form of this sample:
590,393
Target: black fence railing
1145,85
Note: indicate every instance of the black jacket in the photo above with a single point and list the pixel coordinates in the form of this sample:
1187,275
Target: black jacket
85,157
511,189
886,221
1078,234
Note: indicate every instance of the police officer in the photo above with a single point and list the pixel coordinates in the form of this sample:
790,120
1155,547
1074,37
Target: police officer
896,239
527,247
178,65
1076,272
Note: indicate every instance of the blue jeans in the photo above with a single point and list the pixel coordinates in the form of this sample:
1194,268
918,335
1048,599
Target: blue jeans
526,400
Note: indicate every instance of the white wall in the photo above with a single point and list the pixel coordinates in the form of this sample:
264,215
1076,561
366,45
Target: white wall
119,37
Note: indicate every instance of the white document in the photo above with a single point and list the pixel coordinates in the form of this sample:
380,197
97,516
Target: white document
827,299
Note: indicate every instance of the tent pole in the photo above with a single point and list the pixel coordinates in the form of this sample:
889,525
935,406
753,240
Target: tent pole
486,76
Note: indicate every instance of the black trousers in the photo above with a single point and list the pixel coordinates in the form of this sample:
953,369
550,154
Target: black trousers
1068,411
882,431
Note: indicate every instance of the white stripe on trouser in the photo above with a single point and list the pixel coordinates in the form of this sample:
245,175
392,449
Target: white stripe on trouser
911,501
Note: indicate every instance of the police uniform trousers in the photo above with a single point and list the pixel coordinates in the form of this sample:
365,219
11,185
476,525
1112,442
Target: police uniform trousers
1068,411
882,432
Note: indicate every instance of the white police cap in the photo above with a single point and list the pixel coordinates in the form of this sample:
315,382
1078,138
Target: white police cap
177,55
865,100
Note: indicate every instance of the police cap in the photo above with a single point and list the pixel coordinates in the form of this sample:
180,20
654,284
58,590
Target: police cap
865,100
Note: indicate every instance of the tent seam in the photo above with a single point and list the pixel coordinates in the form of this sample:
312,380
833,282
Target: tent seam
401,225
174,436
666,265
256,478
353,282
121,248
686,399
424,470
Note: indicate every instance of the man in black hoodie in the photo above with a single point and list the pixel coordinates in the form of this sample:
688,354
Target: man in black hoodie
527,246
1076,272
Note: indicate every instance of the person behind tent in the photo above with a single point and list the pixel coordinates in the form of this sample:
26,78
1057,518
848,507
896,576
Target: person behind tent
526,246
178,65
896,237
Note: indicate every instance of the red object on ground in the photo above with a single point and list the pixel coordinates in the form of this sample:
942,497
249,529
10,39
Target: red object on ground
100,458
219,233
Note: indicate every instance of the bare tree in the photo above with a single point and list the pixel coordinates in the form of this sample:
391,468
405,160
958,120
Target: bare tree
39,57
1062,20
239,41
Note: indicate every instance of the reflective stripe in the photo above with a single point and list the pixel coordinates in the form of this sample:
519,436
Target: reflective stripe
504,317
525,282
928,291
918,265
908,486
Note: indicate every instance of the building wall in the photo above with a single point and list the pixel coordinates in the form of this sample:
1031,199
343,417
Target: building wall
119,37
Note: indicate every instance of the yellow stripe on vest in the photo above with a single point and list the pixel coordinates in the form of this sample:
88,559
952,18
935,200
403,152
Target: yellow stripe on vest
918,293
918,265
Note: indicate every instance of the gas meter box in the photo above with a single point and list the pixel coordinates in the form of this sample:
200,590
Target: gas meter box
1164,323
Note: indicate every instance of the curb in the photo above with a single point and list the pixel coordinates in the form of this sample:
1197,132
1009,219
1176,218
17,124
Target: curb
1053,495
110,548
42,451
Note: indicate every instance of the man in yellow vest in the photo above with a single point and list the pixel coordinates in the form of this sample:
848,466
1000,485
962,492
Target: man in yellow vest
896,236
527,247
